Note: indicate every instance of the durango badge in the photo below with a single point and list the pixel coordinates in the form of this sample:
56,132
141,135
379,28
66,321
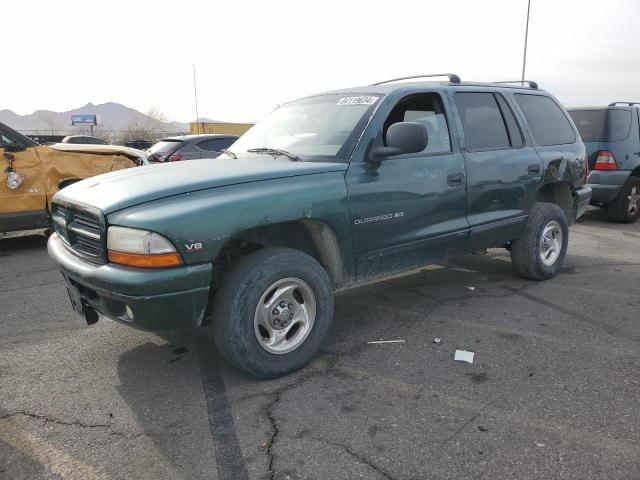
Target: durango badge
193,247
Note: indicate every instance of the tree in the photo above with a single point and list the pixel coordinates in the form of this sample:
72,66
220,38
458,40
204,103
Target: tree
152,128
50,123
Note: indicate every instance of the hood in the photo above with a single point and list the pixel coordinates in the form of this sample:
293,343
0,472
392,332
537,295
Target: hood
126,188
132,153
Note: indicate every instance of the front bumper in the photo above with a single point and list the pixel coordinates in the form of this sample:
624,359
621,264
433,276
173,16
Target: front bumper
606,185
158,298
583,198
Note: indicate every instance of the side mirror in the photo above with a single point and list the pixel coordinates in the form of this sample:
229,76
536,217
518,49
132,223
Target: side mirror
12,147
402,137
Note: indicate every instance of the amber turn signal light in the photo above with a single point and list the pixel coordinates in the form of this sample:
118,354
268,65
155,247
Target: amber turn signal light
162,260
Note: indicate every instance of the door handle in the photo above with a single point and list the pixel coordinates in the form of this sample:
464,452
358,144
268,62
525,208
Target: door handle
533,169
455,179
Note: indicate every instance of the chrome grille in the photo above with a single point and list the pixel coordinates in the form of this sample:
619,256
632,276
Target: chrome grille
81,229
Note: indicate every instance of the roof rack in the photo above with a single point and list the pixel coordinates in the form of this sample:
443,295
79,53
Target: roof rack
453,78
530,83
613,104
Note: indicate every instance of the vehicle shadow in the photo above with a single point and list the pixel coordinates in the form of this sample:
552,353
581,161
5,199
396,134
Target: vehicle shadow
162,384
19,243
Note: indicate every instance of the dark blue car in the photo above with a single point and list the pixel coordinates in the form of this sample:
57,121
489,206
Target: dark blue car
611,135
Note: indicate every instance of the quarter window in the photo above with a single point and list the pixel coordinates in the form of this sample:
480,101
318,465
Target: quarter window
515,135
548,122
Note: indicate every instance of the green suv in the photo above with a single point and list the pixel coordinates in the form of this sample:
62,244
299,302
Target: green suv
328,192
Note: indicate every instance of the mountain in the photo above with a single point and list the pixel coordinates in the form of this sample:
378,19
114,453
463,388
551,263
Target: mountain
113,116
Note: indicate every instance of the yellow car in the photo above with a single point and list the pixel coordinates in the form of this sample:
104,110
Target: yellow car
30,174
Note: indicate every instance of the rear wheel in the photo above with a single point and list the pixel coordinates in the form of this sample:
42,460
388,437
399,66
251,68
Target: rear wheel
625,208
539,253
273,312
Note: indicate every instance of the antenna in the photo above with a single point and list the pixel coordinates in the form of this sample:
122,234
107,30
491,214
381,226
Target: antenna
195,94
526,38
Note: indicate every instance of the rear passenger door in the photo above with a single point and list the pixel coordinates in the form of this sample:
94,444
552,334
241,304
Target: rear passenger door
503,168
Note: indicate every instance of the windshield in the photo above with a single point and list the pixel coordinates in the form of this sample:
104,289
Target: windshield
605,125
325,126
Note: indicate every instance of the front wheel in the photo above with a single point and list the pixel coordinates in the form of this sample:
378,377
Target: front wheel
625,208
538,254
273,312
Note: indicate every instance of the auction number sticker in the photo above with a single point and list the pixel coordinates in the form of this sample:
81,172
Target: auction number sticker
361,100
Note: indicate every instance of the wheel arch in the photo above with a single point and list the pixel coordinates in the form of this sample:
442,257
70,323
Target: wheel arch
312,236
560,194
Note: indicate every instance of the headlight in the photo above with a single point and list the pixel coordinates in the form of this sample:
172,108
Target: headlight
140,248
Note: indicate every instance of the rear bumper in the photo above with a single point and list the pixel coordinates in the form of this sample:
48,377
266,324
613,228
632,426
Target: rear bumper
606,185
158,298
583,198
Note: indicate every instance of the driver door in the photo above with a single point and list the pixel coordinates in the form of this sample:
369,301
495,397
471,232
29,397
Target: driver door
409,210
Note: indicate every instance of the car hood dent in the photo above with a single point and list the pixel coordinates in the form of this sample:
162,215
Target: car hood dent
117,190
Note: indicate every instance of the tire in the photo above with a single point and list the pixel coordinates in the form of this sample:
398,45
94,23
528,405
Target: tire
238,322
625,208
538,240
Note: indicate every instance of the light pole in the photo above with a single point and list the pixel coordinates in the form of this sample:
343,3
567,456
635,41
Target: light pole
195,94
526,38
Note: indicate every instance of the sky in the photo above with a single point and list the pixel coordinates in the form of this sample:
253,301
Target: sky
251,56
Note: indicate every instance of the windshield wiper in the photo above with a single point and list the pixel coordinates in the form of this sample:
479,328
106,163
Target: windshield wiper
275,152
230,153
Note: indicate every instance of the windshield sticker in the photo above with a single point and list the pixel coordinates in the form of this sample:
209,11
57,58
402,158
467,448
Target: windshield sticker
362,100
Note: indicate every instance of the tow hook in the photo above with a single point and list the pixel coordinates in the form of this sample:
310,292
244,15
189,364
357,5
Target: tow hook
90,315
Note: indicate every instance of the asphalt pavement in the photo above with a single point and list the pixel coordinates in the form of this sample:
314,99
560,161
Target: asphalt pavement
553,392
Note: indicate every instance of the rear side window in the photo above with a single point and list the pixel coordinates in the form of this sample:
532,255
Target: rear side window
216,144
482,121
548,122
165,147
604,125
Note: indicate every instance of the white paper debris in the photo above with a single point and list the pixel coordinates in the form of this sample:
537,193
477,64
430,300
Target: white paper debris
471,288
463,356
437,340
386,341
538,444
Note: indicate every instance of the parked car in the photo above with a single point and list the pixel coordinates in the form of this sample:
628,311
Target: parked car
189,147
33,173
83,140
328,192
612,137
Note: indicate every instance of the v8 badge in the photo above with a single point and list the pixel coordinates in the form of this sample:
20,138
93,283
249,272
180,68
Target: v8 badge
194,247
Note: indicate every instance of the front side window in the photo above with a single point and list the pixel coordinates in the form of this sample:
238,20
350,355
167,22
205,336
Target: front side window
322,127
482,122
426,109
548,122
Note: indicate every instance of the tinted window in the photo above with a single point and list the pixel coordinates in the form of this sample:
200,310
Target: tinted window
546,119
482,122
425,109
605,125
515,134
165,147
215,144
